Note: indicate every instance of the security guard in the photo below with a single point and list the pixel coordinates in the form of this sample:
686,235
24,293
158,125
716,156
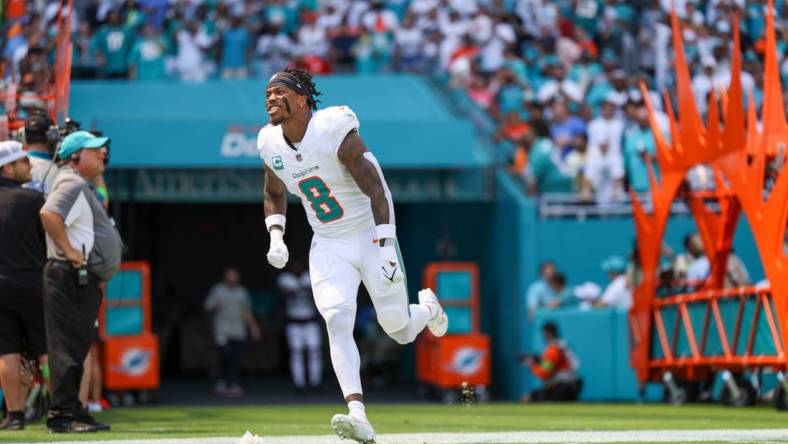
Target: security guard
83,250
21,292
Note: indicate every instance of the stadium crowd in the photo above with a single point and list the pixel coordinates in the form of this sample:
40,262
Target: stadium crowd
558,77
679,272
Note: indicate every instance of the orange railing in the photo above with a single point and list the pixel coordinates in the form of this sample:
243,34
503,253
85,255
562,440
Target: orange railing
56,93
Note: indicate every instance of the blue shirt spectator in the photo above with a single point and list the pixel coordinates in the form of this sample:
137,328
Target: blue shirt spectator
156,11
565,127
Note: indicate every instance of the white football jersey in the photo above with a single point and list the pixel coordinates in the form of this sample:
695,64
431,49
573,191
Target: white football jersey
334,204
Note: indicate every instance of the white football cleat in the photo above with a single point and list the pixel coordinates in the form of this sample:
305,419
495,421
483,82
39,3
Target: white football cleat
248,438
440,322
349,427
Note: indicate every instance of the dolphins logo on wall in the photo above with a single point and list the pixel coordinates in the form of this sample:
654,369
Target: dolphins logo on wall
135,361
467,360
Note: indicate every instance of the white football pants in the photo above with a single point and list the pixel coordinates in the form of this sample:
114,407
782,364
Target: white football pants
337,266
305,336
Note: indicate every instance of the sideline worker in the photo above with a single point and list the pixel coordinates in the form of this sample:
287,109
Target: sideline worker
84,250
40,138
557,367
21,292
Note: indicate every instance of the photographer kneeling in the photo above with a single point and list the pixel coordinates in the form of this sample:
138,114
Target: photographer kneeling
83,250
557,368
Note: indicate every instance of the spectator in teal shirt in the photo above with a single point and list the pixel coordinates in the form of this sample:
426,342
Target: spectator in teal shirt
285,13
546,171
510,94
755,19
539,293
586,14
585,71
135,16
147,56
84,55
625,13
516,65
113,45
639,141
549,294
236,49
532,65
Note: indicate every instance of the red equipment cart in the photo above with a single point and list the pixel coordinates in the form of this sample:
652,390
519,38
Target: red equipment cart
458,363
130,352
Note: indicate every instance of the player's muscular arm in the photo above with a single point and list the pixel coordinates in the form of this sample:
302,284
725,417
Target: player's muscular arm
362,165
274,206
351,154
274,194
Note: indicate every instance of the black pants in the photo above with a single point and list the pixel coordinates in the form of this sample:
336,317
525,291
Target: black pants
22,319
70,313
230,361
560,391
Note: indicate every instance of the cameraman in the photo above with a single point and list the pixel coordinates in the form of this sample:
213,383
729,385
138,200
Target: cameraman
21,263
557,368
40,139
84,249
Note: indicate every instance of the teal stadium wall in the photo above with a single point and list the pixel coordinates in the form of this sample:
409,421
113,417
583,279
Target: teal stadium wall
214,124
509,255
599,337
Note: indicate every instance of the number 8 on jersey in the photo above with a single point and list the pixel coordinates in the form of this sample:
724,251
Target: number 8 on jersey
326,207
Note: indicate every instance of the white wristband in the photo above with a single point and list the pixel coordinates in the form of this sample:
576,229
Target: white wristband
275,219
386,231
277,236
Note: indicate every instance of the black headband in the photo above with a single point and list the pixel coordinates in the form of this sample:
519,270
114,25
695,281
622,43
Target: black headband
290,81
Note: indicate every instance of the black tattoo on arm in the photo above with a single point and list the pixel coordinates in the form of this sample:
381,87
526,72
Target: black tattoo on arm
274,194
351,154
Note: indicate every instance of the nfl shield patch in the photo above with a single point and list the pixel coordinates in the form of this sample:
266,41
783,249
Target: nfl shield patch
278,164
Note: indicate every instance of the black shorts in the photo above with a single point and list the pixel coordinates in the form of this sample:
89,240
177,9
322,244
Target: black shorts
22,320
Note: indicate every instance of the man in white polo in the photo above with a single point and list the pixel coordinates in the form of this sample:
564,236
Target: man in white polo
83,250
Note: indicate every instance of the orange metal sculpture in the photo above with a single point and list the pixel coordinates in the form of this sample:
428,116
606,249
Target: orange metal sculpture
741,155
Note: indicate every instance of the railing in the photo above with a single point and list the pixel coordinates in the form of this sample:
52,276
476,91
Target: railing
557,205
742,316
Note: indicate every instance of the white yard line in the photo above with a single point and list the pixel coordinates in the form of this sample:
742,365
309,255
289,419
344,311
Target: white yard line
760,436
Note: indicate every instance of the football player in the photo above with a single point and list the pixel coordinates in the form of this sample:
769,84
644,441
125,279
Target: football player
319,156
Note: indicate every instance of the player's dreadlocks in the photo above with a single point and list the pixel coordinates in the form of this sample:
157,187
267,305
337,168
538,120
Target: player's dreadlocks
305,78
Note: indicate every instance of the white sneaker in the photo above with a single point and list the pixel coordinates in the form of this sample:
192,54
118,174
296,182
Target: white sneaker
95,407
350,427
440,322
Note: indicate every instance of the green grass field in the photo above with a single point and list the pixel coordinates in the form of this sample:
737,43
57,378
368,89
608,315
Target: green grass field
176,422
